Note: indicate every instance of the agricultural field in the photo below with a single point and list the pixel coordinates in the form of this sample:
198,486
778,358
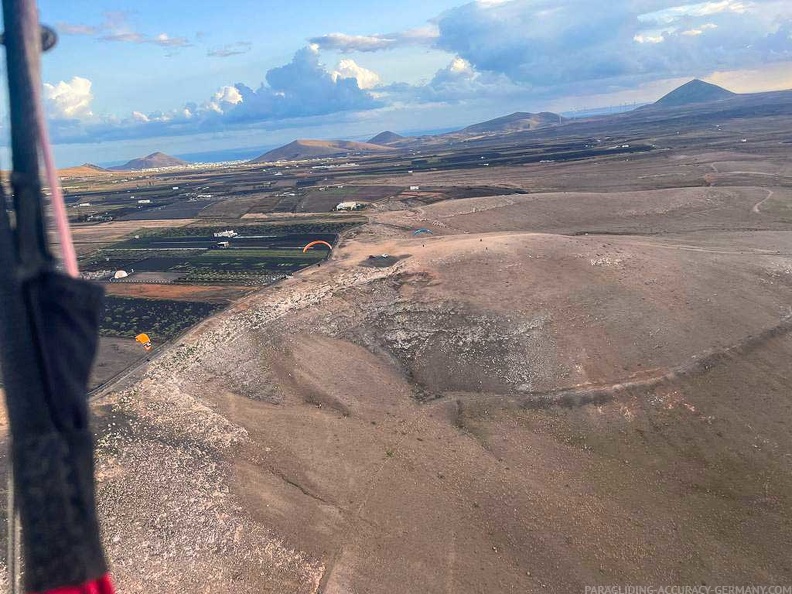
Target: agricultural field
237,206
182,209
98,205
177,276
308,227
258,255
223,294
325,198
161,319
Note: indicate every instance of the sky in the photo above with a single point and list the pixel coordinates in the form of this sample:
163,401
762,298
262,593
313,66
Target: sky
132,77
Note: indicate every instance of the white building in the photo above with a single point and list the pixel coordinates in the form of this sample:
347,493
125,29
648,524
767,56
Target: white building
349,206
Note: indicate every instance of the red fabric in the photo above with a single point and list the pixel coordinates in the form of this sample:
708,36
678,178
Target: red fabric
101,586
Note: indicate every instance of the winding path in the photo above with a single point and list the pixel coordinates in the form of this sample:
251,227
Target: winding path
756,206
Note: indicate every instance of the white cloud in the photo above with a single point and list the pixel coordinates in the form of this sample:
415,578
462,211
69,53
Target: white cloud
373,43
69,100
76,29
165,40
550,44
359,43
230,49
458,82
303,88
365,78
225,98
699,30
124,36
547,44
646,38
229,95
117,27
506,52
702,9
460,66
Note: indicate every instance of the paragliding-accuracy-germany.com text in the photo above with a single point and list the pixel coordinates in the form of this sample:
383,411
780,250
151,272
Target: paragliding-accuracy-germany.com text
702,589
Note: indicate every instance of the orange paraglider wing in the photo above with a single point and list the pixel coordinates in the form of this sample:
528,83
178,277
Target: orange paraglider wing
318,242
144,340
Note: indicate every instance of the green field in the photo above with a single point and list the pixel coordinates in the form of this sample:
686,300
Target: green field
311,255
247,263
214,276
314,226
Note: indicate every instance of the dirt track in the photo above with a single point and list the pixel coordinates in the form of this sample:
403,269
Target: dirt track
762,201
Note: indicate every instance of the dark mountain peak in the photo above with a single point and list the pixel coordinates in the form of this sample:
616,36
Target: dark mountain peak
516,122
695,91
386,138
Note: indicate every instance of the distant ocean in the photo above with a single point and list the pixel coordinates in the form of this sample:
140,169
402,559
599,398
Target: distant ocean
597,111
235,154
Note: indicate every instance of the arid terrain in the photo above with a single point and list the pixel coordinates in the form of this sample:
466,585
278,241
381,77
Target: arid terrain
579,376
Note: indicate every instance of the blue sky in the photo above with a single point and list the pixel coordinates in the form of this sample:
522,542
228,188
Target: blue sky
131,77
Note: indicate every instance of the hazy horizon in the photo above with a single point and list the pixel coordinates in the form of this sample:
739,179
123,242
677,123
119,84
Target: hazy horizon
168,77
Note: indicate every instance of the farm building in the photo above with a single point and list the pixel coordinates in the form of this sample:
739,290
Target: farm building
349,206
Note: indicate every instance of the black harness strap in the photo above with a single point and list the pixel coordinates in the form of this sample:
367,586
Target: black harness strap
48,339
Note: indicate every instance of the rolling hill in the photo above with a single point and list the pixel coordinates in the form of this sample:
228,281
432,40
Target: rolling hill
695,91
311,149
84,170
386,138
152,161
516,122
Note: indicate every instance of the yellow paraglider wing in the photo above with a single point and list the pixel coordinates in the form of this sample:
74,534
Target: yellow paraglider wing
143,339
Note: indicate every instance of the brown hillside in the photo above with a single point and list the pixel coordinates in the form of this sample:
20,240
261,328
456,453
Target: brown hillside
84,170
310,149
152,161
516,122
583,383
479,416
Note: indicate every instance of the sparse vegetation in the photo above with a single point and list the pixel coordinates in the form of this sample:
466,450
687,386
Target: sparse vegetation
159,318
